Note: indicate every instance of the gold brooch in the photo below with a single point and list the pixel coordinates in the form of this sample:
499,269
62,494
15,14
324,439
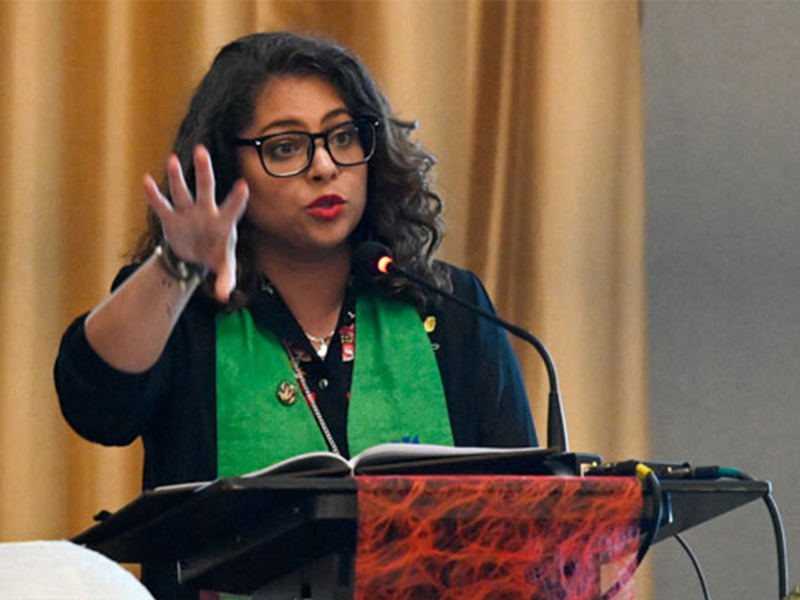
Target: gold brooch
287,393
430,324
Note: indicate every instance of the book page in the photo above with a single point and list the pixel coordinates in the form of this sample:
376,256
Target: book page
307,465
400,453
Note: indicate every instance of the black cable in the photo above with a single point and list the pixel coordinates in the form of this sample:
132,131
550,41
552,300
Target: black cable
780,541
780,536
695,563
649,475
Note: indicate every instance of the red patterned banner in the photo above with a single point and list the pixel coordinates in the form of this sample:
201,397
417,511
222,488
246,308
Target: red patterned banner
497,538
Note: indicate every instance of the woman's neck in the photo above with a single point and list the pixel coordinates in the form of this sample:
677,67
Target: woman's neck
312,287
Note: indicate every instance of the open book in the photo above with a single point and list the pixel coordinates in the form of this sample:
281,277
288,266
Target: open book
402,459
407,459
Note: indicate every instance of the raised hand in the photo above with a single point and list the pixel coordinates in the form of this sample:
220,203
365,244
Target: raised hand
197,229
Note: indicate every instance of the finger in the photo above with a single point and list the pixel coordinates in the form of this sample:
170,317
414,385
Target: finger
226,272
181,196
226,281
204,177
235,203
157,201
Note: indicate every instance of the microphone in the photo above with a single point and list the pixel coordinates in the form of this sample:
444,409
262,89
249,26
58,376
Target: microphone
373,258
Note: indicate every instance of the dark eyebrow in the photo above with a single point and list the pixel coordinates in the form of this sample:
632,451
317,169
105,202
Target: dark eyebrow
283,123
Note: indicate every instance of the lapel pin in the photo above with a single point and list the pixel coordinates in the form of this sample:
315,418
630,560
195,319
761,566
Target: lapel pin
287,393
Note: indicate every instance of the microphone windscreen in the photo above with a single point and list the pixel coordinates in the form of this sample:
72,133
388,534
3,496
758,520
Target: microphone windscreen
367,257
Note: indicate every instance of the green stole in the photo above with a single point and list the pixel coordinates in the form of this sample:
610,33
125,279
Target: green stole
396,393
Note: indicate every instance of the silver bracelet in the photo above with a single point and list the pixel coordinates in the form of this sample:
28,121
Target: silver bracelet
182,271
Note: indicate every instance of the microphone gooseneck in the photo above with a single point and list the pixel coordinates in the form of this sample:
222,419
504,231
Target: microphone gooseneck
373,259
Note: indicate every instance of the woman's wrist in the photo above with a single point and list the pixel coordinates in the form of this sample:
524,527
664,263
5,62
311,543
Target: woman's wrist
184,272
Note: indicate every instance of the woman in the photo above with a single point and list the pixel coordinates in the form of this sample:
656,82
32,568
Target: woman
284,350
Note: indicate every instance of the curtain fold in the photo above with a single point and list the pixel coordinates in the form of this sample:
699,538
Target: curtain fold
532,108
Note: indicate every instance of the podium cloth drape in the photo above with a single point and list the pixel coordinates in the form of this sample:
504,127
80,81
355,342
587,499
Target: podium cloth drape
497,538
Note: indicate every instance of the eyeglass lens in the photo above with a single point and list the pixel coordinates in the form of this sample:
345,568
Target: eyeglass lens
348,144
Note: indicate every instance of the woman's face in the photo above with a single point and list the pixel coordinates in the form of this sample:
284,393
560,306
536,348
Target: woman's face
315,212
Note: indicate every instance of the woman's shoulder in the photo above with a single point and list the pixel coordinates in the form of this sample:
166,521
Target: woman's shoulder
466,285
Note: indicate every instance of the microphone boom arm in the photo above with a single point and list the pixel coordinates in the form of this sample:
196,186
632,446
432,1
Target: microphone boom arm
556,423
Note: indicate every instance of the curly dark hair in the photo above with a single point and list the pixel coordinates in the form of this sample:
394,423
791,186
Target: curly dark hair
402,211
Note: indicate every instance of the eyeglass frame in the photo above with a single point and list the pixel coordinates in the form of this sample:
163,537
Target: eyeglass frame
258,143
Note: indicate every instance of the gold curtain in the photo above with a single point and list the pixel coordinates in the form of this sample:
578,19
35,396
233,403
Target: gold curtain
533,109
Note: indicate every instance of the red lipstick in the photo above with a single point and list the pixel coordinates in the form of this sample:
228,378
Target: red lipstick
326,207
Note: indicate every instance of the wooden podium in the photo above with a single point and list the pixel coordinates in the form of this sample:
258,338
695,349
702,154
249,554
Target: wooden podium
387,537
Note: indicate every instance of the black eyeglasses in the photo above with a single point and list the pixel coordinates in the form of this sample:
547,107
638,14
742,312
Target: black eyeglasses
291,152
